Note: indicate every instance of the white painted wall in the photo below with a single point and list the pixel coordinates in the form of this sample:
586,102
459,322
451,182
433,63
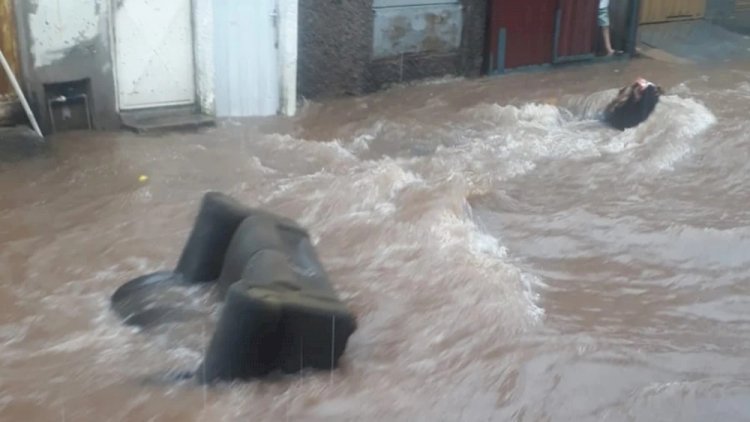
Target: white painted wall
203,24
58,25
288,54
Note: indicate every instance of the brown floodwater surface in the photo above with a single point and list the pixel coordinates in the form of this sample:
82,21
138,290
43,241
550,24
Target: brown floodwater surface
507,256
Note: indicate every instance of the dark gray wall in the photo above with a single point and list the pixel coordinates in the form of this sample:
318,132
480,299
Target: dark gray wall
719,9
336,44
724,13
85,58
620,15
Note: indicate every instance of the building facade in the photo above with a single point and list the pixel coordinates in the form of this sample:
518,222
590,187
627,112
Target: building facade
97,63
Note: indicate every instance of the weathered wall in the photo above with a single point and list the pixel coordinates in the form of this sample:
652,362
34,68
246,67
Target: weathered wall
336,54
466,60
63,41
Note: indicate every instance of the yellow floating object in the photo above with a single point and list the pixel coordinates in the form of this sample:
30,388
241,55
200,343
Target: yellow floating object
143,178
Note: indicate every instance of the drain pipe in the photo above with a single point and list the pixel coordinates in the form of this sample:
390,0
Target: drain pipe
17,88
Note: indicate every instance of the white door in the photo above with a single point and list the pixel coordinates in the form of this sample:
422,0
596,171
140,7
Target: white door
246,59
154,50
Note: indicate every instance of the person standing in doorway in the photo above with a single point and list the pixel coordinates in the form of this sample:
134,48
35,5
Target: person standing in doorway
603,19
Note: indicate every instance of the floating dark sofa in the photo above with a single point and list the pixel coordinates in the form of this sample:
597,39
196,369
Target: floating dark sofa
633,105
280,311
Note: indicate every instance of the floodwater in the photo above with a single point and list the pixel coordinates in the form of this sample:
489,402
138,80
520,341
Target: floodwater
507,256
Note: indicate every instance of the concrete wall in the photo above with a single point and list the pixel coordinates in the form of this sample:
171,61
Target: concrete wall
63,41
336,54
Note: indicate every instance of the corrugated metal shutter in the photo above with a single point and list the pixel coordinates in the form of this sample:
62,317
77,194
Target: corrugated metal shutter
577,28
653,11
521,33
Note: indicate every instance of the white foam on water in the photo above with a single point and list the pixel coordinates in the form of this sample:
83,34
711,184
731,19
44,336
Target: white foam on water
589,107
744,88
666,137
688,400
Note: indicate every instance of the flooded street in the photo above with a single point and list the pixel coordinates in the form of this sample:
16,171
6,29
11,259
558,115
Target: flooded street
507,256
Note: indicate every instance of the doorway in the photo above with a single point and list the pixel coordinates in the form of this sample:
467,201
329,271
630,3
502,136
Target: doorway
154,53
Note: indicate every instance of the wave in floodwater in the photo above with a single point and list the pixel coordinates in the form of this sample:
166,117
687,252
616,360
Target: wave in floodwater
445,306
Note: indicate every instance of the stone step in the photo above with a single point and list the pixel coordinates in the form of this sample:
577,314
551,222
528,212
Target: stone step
165,119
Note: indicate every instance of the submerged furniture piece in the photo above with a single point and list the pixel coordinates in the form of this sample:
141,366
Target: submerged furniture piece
633,104
280,311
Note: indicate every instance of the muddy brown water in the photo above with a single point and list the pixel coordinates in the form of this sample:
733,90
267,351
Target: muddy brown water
507,257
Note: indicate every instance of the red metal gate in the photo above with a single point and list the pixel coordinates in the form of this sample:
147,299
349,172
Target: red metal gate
535,32
575,30
521,33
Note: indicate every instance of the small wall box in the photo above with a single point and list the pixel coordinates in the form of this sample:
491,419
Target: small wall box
68,105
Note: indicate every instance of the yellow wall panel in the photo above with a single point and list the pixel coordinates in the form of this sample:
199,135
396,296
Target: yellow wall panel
653,11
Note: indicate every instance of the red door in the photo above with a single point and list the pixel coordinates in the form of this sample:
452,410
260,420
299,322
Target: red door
577,29
522,33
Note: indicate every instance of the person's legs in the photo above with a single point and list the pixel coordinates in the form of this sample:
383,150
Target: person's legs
607,42
603,20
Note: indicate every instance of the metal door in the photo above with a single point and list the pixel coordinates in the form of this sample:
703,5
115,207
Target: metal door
246,58
653,11
522,33
575,30
154,53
